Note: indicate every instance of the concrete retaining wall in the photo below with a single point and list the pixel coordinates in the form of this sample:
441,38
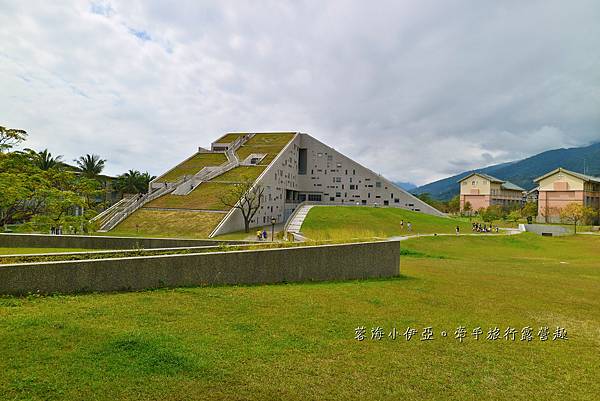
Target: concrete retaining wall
99,242
317,263
546,229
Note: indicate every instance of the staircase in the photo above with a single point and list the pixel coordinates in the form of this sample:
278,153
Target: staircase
297,218
208,173
120,211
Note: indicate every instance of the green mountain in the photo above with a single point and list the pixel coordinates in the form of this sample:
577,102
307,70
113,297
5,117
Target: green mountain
523,172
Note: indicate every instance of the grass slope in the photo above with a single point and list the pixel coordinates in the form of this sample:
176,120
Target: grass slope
296,341
271,144
343,222
163,223
205,196
193,165
241,173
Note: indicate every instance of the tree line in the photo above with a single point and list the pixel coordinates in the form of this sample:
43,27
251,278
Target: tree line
41,190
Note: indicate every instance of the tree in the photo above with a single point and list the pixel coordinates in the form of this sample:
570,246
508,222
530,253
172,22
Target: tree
245,197
44,159
454,204
575,213
491,213
10,137
90,165
467,208
530,210
134,182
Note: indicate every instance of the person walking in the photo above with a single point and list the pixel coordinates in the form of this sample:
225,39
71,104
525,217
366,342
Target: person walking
402,224
409,226
264,235
259,235
457,230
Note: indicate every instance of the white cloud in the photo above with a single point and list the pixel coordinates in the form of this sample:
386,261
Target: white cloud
414,90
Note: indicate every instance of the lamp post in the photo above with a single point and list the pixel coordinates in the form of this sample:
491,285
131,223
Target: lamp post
273,221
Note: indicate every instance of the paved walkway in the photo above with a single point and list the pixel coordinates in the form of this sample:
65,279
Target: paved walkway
298,219
405,237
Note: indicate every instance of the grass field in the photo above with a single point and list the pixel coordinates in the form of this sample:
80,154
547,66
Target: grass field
343,222
240,174
205,196
164,223
271,144
297,341
193,165
26,251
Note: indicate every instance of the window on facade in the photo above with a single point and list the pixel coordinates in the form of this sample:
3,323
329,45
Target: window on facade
353,172
386,203
377,184
314,197
364,202
331,199
338,194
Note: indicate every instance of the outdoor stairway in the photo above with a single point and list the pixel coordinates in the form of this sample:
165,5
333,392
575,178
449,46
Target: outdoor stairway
129,205
208,173
297,219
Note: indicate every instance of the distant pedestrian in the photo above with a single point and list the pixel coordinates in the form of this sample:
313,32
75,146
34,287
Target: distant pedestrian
409,226
457,230
402,224
52,230
259,235
264,234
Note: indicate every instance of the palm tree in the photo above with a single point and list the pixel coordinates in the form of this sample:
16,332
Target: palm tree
90,165
129,182
44,159
145,179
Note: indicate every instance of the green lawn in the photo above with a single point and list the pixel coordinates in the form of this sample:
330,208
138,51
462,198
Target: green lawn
296,342
25,251
271,144
205,196
342,222
167,223
193,165
240,174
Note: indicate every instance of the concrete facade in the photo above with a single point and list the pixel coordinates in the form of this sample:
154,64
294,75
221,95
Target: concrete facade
308,170
316,263
561,187
483,190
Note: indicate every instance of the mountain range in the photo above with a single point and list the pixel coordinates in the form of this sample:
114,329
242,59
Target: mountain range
522,172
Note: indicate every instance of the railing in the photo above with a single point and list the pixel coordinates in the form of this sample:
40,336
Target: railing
110,210
135,203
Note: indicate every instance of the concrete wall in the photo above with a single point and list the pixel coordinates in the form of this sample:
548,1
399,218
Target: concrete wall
98,242
546,229
318,263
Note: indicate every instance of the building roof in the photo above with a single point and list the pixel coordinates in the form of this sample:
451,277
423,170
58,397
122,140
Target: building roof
504,184
487,176
510,186
584,177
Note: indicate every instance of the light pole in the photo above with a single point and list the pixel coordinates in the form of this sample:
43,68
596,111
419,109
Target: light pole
273,221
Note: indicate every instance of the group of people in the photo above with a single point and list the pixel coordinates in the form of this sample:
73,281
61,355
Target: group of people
261,235
484,228
408,225
59,230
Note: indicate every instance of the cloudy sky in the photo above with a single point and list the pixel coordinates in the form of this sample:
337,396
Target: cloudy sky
416,90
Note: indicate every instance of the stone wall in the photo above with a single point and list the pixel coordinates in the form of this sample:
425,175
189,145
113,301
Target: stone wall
99,242
316,263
